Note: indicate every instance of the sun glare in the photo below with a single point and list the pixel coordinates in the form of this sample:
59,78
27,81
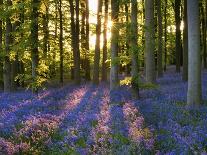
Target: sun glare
93,7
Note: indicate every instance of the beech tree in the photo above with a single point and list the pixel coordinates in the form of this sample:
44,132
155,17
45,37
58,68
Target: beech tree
114,80
149,41
97,48
194,64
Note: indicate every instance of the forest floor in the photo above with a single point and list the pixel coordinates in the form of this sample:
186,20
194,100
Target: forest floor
89,120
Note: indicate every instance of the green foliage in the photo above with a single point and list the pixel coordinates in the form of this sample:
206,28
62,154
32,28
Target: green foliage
137,83
148,86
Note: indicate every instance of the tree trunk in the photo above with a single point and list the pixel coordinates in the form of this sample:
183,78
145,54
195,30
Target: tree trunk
97,48
34,45
185,43
45,32
75,39
61,41
203,23
105,47
150,41
1,49
7,65
88,68
114,80
160,40
134,47
178,35
165,61
194,65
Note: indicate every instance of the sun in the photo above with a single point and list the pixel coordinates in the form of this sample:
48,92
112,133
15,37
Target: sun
93,7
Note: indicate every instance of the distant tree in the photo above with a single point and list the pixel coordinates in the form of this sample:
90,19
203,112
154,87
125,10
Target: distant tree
114,80
150,41
134,46
34,42
178,34
75,31
97,47
194,65
160,40
105,41
165,35
185,44
1,48
8,41
61,41
87,60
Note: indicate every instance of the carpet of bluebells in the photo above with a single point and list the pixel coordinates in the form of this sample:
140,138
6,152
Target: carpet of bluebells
90,119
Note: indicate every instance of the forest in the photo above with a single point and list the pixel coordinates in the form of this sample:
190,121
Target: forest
103,77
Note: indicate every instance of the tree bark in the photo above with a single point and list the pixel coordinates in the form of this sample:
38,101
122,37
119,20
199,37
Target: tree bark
1,49
97,48
160,40
194,66
114,80
61,41
7,63
134,47
74,11
34,45
203,24
105,47
165,29
185,44
178,35
150,41
88,68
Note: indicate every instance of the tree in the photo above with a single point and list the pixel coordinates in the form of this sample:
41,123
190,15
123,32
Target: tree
1,48
34,42
8,41
133,45
88,69
178,35
105,40
165,34
74,11
97,48
114,80
149,41
194,65
61,41
160,40
185,44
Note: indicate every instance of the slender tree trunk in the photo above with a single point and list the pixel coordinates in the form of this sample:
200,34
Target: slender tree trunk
203,23
75,39
88,68
45,32
185,43
7,64
160,40
34,45
134,46
205,50
1,49
194,65
114,79
97,48
178,35
150,41
105,47
61,41
165,29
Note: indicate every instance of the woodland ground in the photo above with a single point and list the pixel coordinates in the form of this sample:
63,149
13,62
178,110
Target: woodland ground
88,120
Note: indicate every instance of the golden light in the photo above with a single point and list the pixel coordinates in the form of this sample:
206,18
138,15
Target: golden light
93,7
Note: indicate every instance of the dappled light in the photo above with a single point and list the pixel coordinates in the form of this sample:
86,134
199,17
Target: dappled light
103,77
